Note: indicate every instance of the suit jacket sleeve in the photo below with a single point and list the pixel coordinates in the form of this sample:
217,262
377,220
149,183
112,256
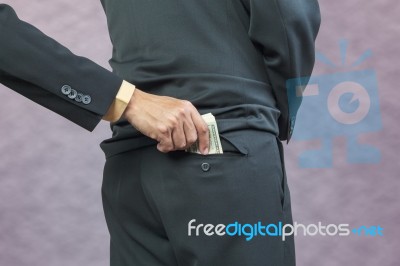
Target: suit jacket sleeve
38,67
285,31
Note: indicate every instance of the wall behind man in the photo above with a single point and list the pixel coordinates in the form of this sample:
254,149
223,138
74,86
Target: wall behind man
347,192
51,169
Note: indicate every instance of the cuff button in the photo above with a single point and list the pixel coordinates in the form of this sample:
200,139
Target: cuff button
79,97
72,94
86,99
66,89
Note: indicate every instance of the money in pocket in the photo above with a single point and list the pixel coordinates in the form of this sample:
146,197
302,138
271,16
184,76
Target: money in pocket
215,146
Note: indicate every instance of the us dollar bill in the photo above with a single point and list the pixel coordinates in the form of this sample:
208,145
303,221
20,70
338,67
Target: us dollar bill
215,142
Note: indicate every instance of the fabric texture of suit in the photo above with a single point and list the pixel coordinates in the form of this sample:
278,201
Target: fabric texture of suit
283,31
228,57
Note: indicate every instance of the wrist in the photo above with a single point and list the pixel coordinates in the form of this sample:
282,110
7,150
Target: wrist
120,103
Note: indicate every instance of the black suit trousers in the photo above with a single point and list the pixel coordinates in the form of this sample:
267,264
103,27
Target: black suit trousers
157,205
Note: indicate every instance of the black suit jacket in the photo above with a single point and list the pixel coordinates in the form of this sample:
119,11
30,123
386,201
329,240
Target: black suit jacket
41,69
276,35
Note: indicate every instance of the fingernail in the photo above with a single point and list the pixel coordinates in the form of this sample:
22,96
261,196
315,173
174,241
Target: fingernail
205,151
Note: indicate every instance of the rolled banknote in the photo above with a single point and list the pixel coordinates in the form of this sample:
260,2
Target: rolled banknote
215,142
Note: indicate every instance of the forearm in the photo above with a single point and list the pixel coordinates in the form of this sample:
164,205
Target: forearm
46,72
29,56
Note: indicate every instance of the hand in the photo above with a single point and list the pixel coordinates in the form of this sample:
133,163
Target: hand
175,124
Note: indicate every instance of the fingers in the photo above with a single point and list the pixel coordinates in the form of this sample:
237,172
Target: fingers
186,129
174,137
196,128
164,138
202,132
190,132
175,124
179,136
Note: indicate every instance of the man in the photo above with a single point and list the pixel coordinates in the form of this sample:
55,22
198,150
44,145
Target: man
172,61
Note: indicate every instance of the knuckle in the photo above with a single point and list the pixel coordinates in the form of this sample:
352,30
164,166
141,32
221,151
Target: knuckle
164,147
181,112
162,129
169,148
173,121
181,145
203,130
187,104
191,139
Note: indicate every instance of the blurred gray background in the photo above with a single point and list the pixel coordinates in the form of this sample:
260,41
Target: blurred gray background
50,204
